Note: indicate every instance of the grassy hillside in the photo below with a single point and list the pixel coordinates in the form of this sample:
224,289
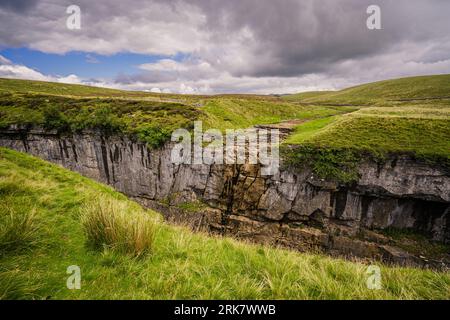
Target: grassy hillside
412,88
81,91
150,121
229,113
410,115
304,96
50,219
425,136
150,117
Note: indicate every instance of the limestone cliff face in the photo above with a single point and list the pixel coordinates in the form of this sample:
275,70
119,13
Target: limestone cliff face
293,208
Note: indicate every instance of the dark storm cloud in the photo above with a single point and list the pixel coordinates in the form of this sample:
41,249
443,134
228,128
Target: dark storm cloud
298,37
17,5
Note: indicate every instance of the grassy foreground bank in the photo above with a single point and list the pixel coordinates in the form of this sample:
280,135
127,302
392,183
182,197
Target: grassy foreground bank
50,219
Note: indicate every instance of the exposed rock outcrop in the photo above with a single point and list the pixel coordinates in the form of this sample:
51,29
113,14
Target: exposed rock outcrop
292,208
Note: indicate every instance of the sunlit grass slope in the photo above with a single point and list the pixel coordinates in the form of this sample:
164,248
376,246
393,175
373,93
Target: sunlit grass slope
410,115
423,137
304,96
243,113
74,90
424,87
150,117
50,219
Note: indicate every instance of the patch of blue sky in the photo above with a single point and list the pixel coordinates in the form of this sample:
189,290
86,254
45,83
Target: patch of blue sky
83,64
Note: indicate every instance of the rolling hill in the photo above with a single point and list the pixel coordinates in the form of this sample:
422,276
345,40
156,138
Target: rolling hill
422,88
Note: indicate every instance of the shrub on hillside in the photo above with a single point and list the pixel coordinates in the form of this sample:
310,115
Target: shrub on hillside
153,135
55,119
328,163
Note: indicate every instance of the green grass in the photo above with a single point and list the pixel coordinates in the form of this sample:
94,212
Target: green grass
149,121
303,96
180,264
307,130
333,147
424,87
112,224
334,164
148,117
427,138
403,116
81,91
18,229
241,113
193,206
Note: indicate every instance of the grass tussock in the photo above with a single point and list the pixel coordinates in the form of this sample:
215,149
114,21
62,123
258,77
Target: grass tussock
18,229
15,286
114,224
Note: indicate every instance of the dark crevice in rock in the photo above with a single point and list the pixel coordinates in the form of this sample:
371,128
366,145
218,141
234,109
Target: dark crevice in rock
74,151
340,203
104,157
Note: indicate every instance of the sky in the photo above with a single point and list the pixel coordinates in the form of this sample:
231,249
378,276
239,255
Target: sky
223,46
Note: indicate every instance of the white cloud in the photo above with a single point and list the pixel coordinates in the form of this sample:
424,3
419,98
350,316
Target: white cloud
91,59
199,77
166,65
3,60
74,79
16,71
10,70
